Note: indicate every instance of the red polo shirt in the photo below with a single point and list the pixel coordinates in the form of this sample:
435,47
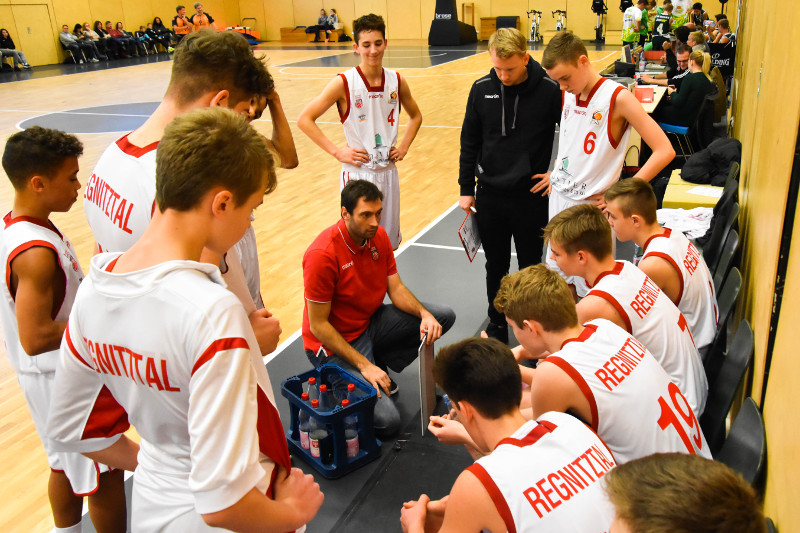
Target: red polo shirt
352,278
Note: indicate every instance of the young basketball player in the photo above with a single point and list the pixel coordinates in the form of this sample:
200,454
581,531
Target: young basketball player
580,240
596,119
596,371
156,337
42,276
369,99
539,475
670,260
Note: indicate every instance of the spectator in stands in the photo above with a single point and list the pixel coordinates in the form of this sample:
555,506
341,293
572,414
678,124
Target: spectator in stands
147,42
113,47
697,17
181,24
101,44
681,36
697,41
157,38
672,77
162,31
126,42
680,107
724,34
130,37
78,49
7,48
322,25
202,20
662,25
81,36
663,6
681,493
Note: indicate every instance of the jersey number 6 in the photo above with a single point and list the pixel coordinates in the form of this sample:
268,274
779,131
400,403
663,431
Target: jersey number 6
588,142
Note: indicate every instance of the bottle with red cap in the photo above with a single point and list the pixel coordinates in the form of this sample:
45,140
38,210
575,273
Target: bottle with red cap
303,423
350,432
325,401
313,391
319,443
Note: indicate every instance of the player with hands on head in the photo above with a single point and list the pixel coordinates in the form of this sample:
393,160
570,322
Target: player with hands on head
348,271
369,99
156,338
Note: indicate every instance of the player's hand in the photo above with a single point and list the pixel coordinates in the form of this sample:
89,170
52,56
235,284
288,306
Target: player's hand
431,325
413,514
352,156
377,378
300,492
598,201
543,185
466,203
647,78
435,513
449,431
397,154
267,330
666,45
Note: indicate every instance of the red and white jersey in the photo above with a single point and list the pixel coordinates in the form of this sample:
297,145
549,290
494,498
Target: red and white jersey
18,235
372,117
589,158
546,477
247,250
119,197
636,409
654,320
696,299
171,350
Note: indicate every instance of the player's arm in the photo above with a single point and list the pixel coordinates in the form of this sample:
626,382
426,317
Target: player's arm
405,301
34,270
323,330
407,102
471,142
628,108
592,307
282,138
469,508
553,390
663,273
120,455
658,79
307,122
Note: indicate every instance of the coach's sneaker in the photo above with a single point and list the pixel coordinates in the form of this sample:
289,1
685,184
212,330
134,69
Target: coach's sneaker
393,388
497,331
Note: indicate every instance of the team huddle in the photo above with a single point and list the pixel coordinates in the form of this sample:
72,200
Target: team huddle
167,331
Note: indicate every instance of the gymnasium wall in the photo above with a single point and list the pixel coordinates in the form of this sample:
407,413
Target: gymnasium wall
766,111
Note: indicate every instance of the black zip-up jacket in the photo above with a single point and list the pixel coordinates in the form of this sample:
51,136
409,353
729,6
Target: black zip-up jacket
507,135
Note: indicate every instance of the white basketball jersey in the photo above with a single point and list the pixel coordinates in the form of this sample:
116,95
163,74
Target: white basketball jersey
171,349
247,250
18,235
119,197
546,477
636,409
589,159
654,320
372,117
696,299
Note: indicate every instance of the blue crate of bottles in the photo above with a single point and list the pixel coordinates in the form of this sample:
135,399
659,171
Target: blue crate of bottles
333,438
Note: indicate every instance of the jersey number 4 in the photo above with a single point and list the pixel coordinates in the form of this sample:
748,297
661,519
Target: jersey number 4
588,142
390,118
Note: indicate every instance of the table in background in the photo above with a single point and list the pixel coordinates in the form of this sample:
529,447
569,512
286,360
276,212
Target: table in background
678,195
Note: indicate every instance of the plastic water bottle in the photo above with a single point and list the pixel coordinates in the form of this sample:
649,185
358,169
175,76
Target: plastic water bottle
642,62
317,436
352,395
325,403
350,433
304,423
313,392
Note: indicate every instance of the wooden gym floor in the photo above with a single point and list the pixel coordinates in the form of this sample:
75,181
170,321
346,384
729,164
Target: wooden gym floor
306,201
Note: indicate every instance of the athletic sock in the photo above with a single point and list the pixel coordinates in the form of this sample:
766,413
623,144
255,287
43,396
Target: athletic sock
71,529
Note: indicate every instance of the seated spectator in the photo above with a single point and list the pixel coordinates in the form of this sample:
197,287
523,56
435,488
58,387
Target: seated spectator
78,49
113,47
674,76
697,42
322,25
202,20
7,48
668,258
680,107
82,37
181,25
347,272
126,42
681,36
681,494
101,44
164,38
147,42
724,34
580,239
697,17
520,485
125,35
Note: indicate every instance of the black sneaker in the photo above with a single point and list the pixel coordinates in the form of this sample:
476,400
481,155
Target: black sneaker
497,331
393,388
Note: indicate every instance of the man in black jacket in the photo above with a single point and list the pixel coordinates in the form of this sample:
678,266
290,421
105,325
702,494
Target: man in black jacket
506,138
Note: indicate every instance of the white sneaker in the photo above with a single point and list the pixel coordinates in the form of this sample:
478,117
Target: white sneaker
94,60
80,61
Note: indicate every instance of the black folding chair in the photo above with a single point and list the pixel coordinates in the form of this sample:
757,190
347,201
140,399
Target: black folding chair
726,302
723,389
725,257
727,217
746,447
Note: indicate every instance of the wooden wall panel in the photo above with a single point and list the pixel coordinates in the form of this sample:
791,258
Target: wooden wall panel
404,20
306,12
270,15
70,12
34,33
378,7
